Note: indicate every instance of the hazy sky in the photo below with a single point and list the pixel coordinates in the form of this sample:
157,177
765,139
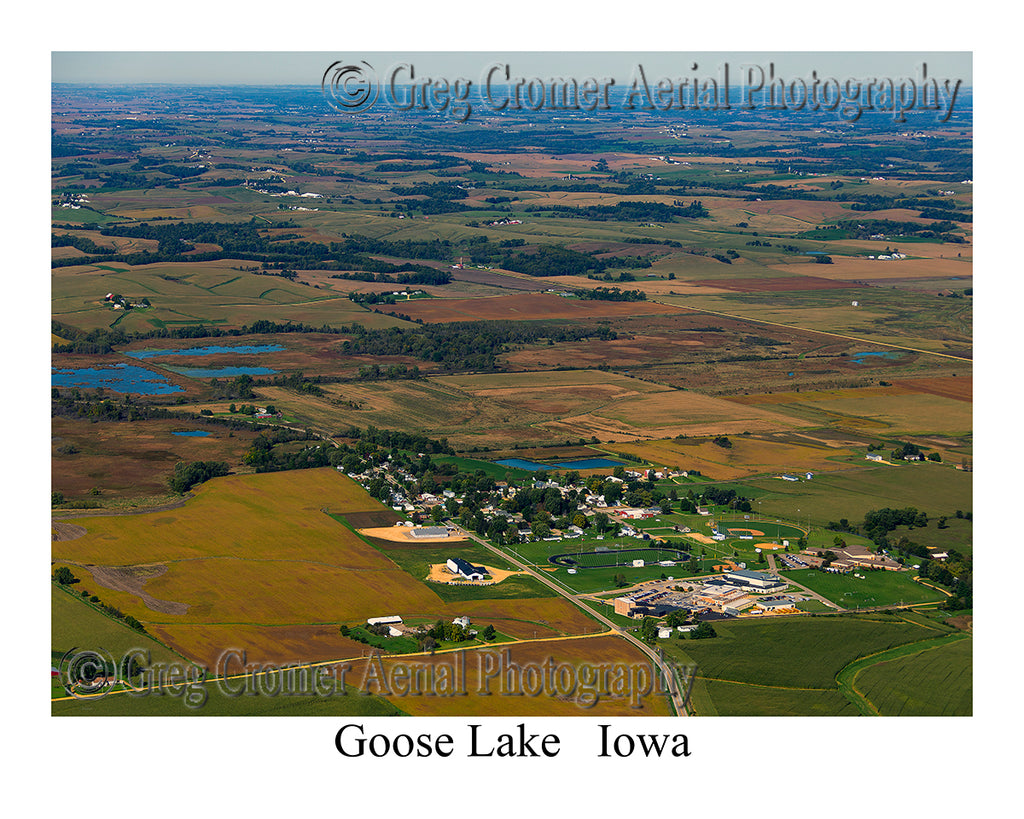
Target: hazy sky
307,68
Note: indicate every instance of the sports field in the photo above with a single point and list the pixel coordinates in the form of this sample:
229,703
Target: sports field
617,557
872,588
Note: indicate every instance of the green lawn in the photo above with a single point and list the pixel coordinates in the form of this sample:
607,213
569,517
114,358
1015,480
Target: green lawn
877,588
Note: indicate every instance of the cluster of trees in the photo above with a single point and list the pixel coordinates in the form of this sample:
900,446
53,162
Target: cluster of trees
420,274
723,497
438,197
552,260
879,522
64,576
865,228
79,243
187,475
631,211
393,372
459,346
611,294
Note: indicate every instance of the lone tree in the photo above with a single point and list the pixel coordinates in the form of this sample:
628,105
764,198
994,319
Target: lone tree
64,576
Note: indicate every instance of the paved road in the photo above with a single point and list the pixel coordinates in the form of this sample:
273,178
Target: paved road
677,697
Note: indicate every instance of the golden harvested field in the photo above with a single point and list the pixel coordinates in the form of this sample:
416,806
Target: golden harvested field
747,456
845,268
207,643
251,562
275,516
691,413
586,651
525,619
798,210
253,551
889,410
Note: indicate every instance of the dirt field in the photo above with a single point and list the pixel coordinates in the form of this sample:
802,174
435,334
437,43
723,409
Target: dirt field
66,531
440,573
133,579
403,534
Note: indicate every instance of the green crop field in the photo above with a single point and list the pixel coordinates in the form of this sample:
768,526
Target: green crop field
935,681
762,667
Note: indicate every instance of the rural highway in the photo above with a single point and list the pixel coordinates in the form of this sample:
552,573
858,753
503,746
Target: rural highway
679,701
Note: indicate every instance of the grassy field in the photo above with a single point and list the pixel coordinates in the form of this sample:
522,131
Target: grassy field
877,588
936,489
76,625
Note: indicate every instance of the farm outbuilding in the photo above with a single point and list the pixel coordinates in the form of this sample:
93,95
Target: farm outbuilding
456,565
429,531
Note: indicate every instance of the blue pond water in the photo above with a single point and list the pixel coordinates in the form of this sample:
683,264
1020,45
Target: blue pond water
858,358
221,372
192,433
533,466
213,349
590,463
125,378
